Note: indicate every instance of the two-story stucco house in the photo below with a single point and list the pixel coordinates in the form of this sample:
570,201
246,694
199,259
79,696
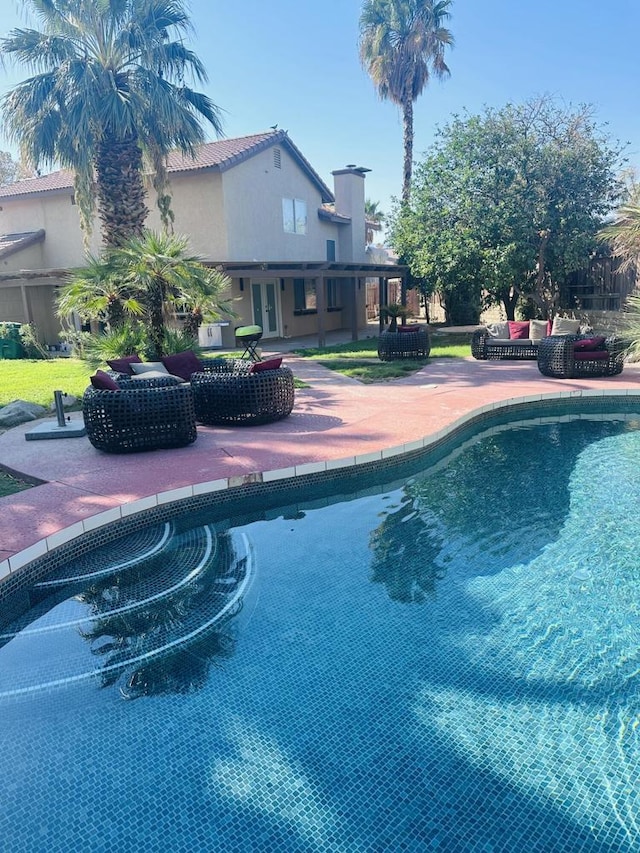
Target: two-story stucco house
253,206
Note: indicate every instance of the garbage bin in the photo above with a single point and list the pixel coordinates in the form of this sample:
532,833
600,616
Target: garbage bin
9,348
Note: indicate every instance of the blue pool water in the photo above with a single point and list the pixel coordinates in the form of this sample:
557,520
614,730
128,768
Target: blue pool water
449,663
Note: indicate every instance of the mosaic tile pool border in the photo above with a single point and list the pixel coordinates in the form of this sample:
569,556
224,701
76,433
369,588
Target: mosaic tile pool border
258,496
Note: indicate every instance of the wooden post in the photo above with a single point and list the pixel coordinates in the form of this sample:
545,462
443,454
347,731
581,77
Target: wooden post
320,309
355,283
25,304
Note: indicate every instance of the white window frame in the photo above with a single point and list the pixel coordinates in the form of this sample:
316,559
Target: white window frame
294,215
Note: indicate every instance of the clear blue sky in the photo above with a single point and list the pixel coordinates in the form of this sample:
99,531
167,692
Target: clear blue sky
295,63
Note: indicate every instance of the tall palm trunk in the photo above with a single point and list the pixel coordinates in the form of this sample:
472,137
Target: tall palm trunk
120,189
407,129
156,318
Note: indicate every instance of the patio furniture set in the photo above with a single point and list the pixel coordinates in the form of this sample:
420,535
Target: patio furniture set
562,349
147,405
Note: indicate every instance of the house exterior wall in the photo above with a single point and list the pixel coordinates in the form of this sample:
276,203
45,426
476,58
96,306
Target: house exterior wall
253,194
29,258
63,246
11,306
198,206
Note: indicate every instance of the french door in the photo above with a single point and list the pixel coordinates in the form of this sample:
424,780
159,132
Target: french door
264,298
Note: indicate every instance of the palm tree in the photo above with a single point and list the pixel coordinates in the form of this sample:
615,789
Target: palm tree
151,275
402,43
94,295
623,233
107,92
374,218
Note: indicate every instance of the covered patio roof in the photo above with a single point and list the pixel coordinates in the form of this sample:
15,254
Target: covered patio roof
319,270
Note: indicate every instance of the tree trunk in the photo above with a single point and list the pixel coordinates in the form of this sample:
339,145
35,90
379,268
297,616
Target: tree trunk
407,128
120,189
509,299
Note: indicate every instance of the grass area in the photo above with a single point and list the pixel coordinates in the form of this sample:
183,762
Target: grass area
10,485
359,359
35,381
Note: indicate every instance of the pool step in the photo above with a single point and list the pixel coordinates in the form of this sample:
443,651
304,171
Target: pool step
129,626
116,556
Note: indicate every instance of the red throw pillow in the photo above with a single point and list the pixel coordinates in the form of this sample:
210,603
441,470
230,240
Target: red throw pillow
103,381
123,365
591,355
518,330
413,328
549,327
182,364
259,366
588,344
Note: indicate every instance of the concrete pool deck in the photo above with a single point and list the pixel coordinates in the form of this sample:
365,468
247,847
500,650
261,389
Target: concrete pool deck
335,418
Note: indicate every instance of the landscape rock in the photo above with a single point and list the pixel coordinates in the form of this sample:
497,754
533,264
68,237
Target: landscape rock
19,412
68,400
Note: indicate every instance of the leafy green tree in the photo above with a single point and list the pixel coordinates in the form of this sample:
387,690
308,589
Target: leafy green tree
149,277
402,44
9,170
107,92
507,204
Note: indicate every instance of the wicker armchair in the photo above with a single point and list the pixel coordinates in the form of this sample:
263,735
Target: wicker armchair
413,344
144,415
558,358
240,397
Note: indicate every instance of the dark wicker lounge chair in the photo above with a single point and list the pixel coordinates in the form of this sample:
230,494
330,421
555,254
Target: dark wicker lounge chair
143,415
241,397
401,344
557,357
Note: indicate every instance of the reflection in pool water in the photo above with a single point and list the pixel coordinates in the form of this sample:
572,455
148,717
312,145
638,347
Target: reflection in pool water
448,663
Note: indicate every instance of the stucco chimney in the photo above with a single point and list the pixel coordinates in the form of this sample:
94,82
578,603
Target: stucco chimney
348,186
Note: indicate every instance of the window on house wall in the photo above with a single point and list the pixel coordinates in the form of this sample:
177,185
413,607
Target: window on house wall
331,250
304,296
334,302
294,215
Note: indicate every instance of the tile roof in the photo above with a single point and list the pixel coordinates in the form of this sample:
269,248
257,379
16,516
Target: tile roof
220,155
10,243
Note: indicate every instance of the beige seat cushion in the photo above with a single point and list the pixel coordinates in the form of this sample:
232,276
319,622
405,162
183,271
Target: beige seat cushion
499,330
538,329
565,326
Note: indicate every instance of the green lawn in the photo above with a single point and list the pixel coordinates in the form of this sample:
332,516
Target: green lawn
10,485
359,359
35,381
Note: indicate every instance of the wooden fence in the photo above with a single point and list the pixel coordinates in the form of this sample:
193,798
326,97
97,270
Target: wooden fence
600,287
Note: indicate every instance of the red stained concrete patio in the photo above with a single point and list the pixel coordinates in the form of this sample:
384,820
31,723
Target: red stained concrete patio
335,418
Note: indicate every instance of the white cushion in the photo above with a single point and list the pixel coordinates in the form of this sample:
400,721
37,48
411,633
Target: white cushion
499,330
537,329
149,367
565,326
156,374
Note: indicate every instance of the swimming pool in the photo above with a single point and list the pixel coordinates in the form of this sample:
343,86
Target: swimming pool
447,660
